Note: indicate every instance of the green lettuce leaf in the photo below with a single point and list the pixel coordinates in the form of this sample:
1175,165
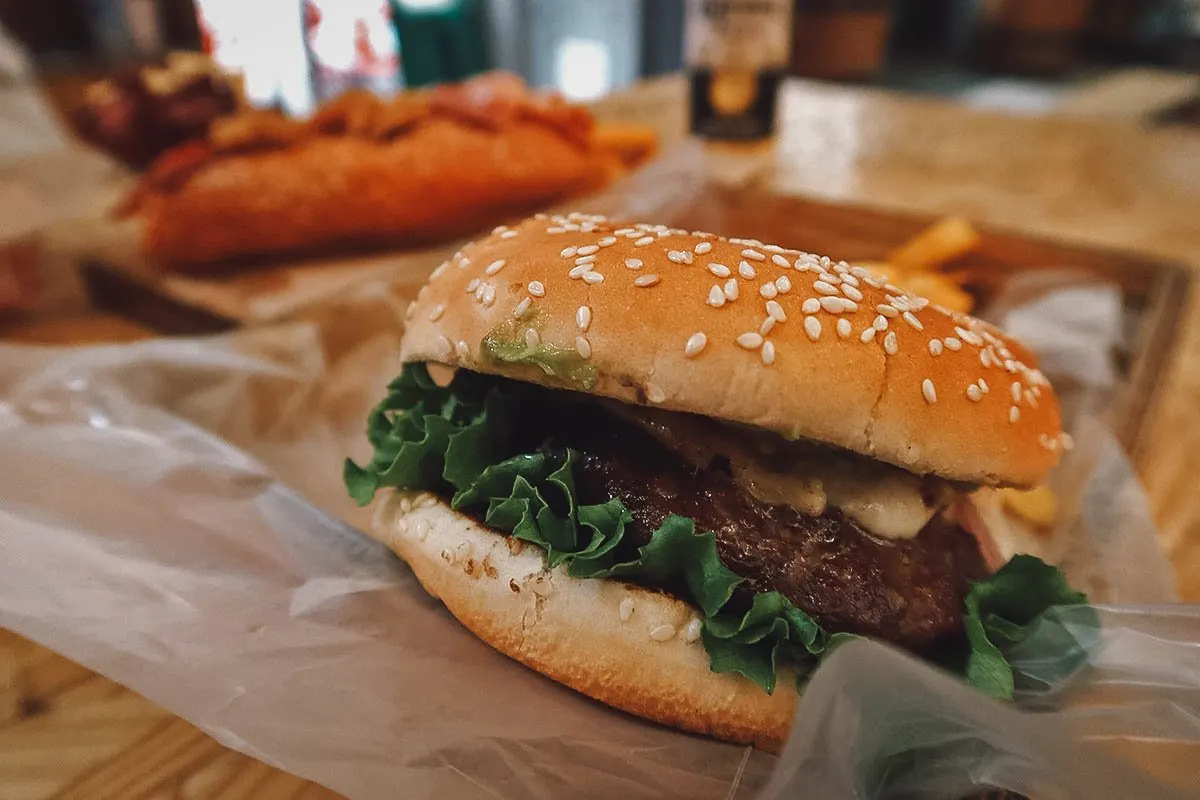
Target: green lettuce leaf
1004,611
457,441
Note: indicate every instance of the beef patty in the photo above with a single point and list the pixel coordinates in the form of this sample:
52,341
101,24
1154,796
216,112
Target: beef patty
906,591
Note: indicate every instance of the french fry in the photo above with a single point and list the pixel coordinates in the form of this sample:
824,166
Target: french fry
938,244
1038,505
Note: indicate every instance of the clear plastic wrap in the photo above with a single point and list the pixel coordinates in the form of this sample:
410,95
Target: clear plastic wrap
172,516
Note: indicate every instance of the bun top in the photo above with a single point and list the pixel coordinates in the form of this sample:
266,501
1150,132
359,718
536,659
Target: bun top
742,331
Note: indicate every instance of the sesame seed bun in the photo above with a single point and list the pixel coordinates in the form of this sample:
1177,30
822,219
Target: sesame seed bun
625,646
683,321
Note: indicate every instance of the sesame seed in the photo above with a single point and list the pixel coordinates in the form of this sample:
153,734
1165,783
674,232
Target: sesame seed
811,305
849,305
1014,413
1015,391
720,270
489,294
521,308
974,393
437,273
495,266
970,337
851,292
890,345
623,231
935,347
583,318
747,271
985,358
645,240
812,327
776,310
625,609
849,279
662,633
802,264
784,284
554,229
691,634
867,335
679,256
1030,398
983,385
588,250
645,280
532,339
464,352
829,278
585,260
444,348
716,296
768,353
900,303
578,272
464,263
537,288
583,347
843,329
822,287
702,248
472,285
593,277
880,323
437,312
499,229
766,326
568,252
833,305
753,255
928,391
695,343
781,261
633,263
887,311
654,394
731,289
607,241
911,319
860,272
952,343
750,341
768,290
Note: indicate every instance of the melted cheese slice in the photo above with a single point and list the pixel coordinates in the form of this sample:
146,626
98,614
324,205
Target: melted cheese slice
887,501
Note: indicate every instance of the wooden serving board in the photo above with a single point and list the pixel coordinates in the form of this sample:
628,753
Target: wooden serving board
1154,293
119,279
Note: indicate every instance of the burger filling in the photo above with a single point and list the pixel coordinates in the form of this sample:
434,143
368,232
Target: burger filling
785,548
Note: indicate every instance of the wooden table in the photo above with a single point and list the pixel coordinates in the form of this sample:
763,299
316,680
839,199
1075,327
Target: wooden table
65,732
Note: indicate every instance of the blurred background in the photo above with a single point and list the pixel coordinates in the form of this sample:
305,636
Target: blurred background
294,53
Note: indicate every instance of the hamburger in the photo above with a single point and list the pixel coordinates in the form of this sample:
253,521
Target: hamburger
673,470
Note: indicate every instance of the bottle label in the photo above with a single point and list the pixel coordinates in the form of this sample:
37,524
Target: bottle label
738,34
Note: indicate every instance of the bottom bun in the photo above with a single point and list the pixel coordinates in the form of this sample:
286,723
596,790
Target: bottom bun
629,647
